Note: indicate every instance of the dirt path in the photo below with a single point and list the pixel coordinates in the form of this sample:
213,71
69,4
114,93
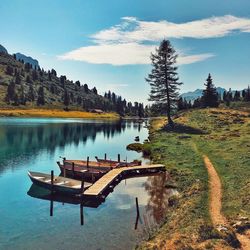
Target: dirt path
215,202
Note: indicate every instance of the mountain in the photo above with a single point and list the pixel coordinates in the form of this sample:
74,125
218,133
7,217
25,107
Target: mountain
3,50
21,84
27,59
192,95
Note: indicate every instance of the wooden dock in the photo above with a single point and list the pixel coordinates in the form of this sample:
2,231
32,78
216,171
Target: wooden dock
116,174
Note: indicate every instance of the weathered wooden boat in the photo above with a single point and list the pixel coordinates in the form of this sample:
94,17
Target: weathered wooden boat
119,163
58,183
77,171
103,166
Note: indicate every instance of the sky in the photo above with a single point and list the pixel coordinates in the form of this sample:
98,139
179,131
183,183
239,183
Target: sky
107,44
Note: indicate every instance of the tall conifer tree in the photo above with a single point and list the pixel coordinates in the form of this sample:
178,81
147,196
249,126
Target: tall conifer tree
163,79
210,96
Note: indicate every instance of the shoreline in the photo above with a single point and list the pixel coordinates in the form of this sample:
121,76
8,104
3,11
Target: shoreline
56,113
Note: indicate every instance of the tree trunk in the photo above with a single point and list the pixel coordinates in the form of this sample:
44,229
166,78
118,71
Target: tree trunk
170,121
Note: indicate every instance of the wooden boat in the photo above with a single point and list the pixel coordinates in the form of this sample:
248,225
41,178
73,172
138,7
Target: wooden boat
102,166
119,164
77,171
60,184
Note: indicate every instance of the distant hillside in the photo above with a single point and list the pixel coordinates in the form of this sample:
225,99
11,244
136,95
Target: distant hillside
27,59
3,50
192,95
21,84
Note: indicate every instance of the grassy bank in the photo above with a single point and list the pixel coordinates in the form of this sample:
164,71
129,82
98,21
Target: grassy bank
55,113
225,140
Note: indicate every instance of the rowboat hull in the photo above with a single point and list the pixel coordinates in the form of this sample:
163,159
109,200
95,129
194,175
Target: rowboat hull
60,184
79,173
99,166
120,164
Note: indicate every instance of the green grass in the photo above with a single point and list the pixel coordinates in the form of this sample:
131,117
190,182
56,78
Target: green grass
228,147
227,144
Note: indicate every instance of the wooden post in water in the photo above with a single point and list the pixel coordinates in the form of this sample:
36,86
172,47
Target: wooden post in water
87,161
82,184
105,156
73,169
119,157
52,180
51,207
137,207
81,213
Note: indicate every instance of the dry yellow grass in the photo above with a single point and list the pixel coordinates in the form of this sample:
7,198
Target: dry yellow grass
54,113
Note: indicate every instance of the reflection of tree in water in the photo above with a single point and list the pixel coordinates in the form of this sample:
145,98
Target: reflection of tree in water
22,139
158,196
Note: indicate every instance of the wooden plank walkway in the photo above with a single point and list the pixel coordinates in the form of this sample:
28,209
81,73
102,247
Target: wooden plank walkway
105,181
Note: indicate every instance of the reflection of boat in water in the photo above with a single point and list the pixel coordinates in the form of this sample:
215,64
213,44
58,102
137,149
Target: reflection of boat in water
58,183
44,194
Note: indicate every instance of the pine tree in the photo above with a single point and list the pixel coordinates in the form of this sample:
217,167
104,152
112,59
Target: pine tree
18,78
27,67
86,88
22,98
10,92
243,94
34,75
66,99
224,97
94,91
163,78
40,98
247,95
180,104
28,80
31,94
197,103
236,96
140,110
209,96
15,100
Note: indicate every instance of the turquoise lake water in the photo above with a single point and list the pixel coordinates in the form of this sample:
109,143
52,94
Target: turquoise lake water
36,144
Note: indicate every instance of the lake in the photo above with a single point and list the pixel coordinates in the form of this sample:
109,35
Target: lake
36,144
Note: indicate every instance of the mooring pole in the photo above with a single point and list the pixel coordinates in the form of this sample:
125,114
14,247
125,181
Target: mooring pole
82,184
119,157
64,171
105,156
52,180
51,207
137,207
87,161
73,169
81,213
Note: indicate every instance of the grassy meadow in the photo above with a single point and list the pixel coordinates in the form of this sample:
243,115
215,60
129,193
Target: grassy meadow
225,138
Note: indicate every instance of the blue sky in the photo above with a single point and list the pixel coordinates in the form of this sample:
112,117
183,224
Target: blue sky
107,43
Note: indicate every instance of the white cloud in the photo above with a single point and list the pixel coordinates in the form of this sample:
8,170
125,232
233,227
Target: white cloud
134,30
124,43
123,54
115,54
